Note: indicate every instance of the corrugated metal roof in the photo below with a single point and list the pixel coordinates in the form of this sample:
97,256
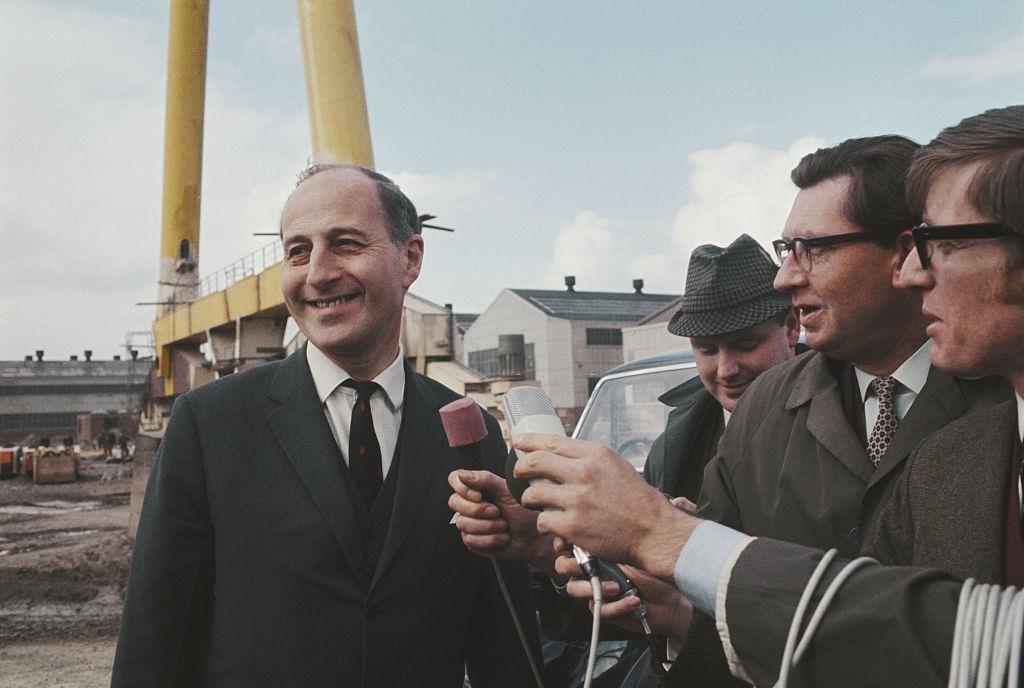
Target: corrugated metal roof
42,371
595,305
464,320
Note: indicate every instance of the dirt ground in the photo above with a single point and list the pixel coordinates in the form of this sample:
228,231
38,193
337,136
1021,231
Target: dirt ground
64,555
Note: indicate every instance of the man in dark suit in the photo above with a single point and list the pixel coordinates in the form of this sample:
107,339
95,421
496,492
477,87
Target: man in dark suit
295,530
889,625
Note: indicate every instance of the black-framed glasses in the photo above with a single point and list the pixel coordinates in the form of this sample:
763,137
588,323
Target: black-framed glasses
978,230
801,247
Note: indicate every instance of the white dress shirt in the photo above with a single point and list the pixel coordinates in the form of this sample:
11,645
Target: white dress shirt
1020,416
338,400
910,378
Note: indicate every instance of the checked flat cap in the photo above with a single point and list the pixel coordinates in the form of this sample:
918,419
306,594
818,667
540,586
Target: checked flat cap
728,289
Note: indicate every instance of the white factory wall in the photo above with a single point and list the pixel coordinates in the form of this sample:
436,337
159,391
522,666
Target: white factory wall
647,340
551,339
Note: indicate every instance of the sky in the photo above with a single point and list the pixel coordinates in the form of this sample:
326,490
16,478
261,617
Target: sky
603,140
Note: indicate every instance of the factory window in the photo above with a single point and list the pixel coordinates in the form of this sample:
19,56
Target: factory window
484,362
15,421
604,336
115,388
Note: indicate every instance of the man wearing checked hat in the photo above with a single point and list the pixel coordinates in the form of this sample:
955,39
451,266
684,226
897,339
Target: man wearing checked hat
739,327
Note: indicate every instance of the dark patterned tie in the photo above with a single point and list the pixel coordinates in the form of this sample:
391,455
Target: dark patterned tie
885,427
364,459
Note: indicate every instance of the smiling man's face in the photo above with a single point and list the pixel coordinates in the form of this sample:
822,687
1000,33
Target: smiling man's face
728,363
343,279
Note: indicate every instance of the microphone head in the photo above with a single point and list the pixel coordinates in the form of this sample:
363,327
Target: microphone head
463,422
523,402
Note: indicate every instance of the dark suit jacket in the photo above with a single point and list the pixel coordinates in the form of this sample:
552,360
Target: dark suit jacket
248,568
890,625
675,464
791,466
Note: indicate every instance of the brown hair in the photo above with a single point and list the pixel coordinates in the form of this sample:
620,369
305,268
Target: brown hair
996,139
877,167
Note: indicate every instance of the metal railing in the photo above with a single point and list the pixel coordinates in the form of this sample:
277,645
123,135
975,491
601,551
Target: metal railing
246,266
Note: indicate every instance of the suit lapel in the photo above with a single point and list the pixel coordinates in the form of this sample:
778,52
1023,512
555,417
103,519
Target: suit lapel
301,429
420,447
826,421
939,403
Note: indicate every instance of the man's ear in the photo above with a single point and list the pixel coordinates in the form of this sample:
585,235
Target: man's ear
413,248
792,325
904,245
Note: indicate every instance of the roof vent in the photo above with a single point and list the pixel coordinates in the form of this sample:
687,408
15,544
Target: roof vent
74,357
570,283
28,357
39,354
88,354
638,286
117,358
134,353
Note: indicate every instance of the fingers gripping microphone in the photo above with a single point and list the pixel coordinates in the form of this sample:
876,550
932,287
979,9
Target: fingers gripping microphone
529,409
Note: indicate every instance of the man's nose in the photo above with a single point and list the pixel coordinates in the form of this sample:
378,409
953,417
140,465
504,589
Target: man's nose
912,275
323,268
790,275
728,365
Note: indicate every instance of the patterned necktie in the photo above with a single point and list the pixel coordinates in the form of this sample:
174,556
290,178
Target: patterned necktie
885,427
364,459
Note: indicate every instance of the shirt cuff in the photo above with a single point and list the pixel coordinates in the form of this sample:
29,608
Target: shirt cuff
709,554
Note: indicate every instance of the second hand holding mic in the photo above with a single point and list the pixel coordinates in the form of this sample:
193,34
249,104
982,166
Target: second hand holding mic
529,409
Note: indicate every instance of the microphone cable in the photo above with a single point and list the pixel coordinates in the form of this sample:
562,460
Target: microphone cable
524,641
988,634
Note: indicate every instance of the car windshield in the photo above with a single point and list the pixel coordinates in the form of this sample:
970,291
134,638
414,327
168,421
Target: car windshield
625,413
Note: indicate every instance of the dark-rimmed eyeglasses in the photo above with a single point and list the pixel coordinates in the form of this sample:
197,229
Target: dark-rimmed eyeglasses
978,230
801,247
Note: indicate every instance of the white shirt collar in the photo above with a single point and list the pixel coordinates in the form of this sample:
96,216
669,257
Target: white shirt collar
912,374
327,376
1020,416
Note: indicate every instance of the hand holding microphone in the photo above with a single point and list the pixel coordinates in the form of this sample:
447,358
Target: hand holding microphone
590,495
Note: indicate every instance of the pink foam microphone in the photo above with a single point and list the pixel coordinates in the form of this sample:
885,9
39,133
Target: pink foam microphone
464,427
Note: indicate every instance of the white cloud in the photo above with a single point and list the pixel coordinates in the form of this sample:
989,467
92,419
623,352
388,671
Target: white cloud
1002,59
81,166
583,248
742,188
739,188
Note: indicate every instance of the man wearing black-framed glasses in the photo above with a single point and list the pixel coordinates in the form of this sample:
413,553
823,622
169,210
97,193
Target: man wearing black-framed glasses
839,423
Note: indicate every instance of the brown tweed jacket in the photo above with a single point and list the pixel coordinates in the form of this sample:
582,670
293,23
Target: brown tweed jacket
948,510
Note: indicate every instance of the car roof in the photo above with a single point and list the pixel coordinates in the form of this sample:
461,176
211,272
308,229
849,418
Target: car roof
656,361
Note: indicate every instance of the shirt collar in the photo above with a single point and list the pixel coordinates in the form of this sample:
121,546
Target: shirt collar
1020,416
912,374
327,376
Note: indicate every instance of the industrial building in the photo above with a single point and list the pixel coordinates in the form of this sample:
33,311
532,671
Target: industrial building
565,339
46,398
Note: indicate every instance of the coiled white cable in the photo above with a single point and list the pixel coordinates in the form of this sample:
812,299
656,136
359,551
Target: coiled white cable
987,637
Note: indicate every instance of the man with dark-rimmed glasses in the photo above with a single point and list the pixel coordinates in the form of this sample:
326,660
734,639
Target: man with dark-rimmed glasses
830,430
